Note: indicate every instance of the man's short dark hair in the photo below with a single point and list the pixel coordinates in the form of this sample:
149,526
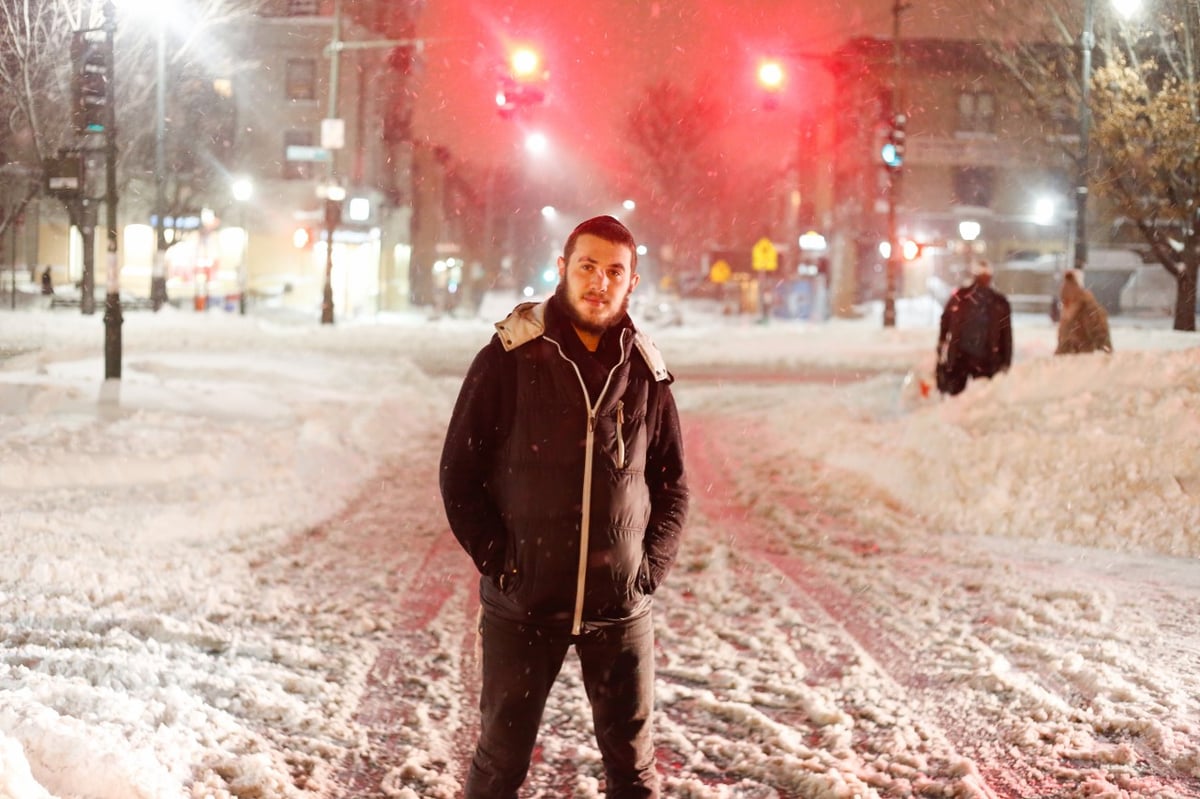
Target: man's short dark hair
608,228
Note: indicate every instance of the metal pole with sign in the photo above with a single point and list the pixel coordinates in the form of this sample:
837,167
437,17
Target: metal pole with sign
764,258
112,301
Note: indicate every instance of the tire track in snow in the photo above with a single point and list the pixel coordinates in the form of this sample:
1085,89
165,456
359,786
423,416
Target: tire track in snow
866,594
817,703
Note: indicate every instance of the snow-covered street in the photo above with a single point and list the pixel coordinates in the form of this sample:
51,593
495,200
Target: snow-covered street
237,580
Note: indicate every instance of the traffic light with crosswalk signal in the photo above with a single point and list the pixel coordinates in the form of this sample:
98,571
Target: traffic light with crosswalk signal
893,149
91,61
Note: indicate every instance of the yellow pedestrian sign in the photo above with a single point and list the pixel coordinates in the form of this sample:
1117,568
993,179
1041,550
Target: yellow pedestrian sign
764,256
720,271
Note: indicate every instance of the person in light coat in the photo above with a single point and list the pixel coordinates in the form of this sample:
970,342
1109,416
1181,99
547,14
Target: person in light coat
1083,325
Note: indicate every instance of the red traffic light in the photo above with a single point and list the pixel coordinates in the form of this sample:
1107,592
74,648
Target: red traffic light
770,74
525,63
522,81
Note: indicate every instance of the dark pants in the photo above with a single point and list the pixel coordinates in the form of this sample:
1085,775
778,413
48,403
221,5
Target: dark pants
521,663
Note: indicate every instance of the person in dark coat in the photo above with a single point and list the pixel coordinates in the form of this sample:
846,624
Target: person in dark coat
562,477
975,337
1083,323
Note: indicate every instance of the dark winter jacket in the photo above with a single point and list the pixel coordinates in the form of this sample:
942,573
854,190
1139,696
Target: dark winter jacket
562,472
975,337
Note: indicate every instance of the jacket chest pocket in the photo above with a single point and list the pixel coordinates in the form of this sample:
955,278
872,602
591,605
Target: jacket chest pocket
629,436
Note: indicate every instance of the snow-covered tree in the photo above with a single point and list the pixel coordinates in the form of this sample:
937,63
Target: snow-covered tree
1143,149
1147,127
36,75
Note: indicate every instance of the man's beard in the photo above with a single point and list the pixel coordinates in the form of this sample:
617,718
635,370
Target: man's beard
582,323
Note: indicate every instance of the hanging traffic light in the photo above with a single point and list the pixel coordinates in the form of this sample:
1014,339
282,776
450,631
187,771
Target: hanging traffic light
770,75
523,83
892,151
91,61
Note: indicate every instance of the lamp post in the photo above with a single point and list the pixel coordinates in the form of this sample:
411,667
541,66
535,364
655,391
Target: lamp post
158,274
1086,42
242,190
899,120
113,318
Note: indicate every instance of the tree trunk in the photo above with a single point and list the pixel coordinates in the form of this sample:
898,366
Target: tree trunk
1185,292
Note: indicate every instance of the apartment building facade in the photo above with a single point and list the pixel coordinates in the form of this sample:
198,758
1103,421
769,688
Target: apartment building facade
258,225
981,177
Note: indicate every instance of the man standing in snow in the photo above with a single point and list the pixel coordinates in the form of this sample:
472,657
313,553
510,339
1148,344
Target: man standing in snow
975,338
1083,325
562,476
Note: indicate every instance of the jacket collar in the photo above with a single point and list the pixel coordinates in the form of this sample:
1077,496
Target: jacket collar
528,322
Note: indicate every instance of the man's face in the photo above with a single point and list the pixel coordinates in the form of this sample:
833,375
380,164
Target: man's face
595,285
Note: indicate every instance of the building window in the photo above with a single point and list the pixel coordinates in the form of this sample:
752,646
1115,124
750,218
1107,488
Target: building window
974,186
302,8
300,80
976,112
298,153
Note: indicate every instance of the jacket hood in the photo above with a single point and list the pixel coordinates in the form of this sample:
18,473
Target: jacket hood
528,322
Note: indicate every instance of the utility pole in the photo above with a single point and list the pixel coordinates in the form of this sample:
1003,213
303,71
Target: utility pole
892,273
158,275
333,192
1086,41
112,301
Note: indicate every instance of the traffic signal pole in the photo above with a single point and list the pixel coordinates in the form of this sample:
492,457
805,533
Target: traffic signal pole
112,302
892,272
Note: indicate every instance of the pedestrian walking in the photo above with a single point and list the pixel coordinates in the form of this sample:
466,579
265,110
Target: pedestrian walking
975,336
562,476
1083,323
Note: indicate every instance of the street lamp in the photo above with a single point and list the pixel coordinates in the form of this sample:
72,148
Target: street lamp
242,190
1087,41
158,273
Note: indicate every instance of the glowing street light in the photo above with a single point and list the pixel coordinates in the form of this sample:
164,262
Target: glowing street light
770,75
536,144
525,63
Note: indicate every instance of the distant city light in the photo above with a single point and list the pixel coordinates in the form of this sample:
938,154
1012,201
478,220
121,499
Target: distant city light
242,189
812,241
1044,210
549,212
550,275
629,205
1127,8
536,143
360,209
969,229
642,249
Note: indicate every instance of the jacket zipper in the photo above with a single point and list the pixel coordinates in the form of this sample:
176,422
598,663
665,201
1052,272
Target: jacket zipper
620,434
585,524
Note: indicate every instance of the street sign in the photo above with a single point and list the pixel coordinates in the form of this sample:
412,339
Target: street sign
720,272
64,175
306,152
333,134
764,256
